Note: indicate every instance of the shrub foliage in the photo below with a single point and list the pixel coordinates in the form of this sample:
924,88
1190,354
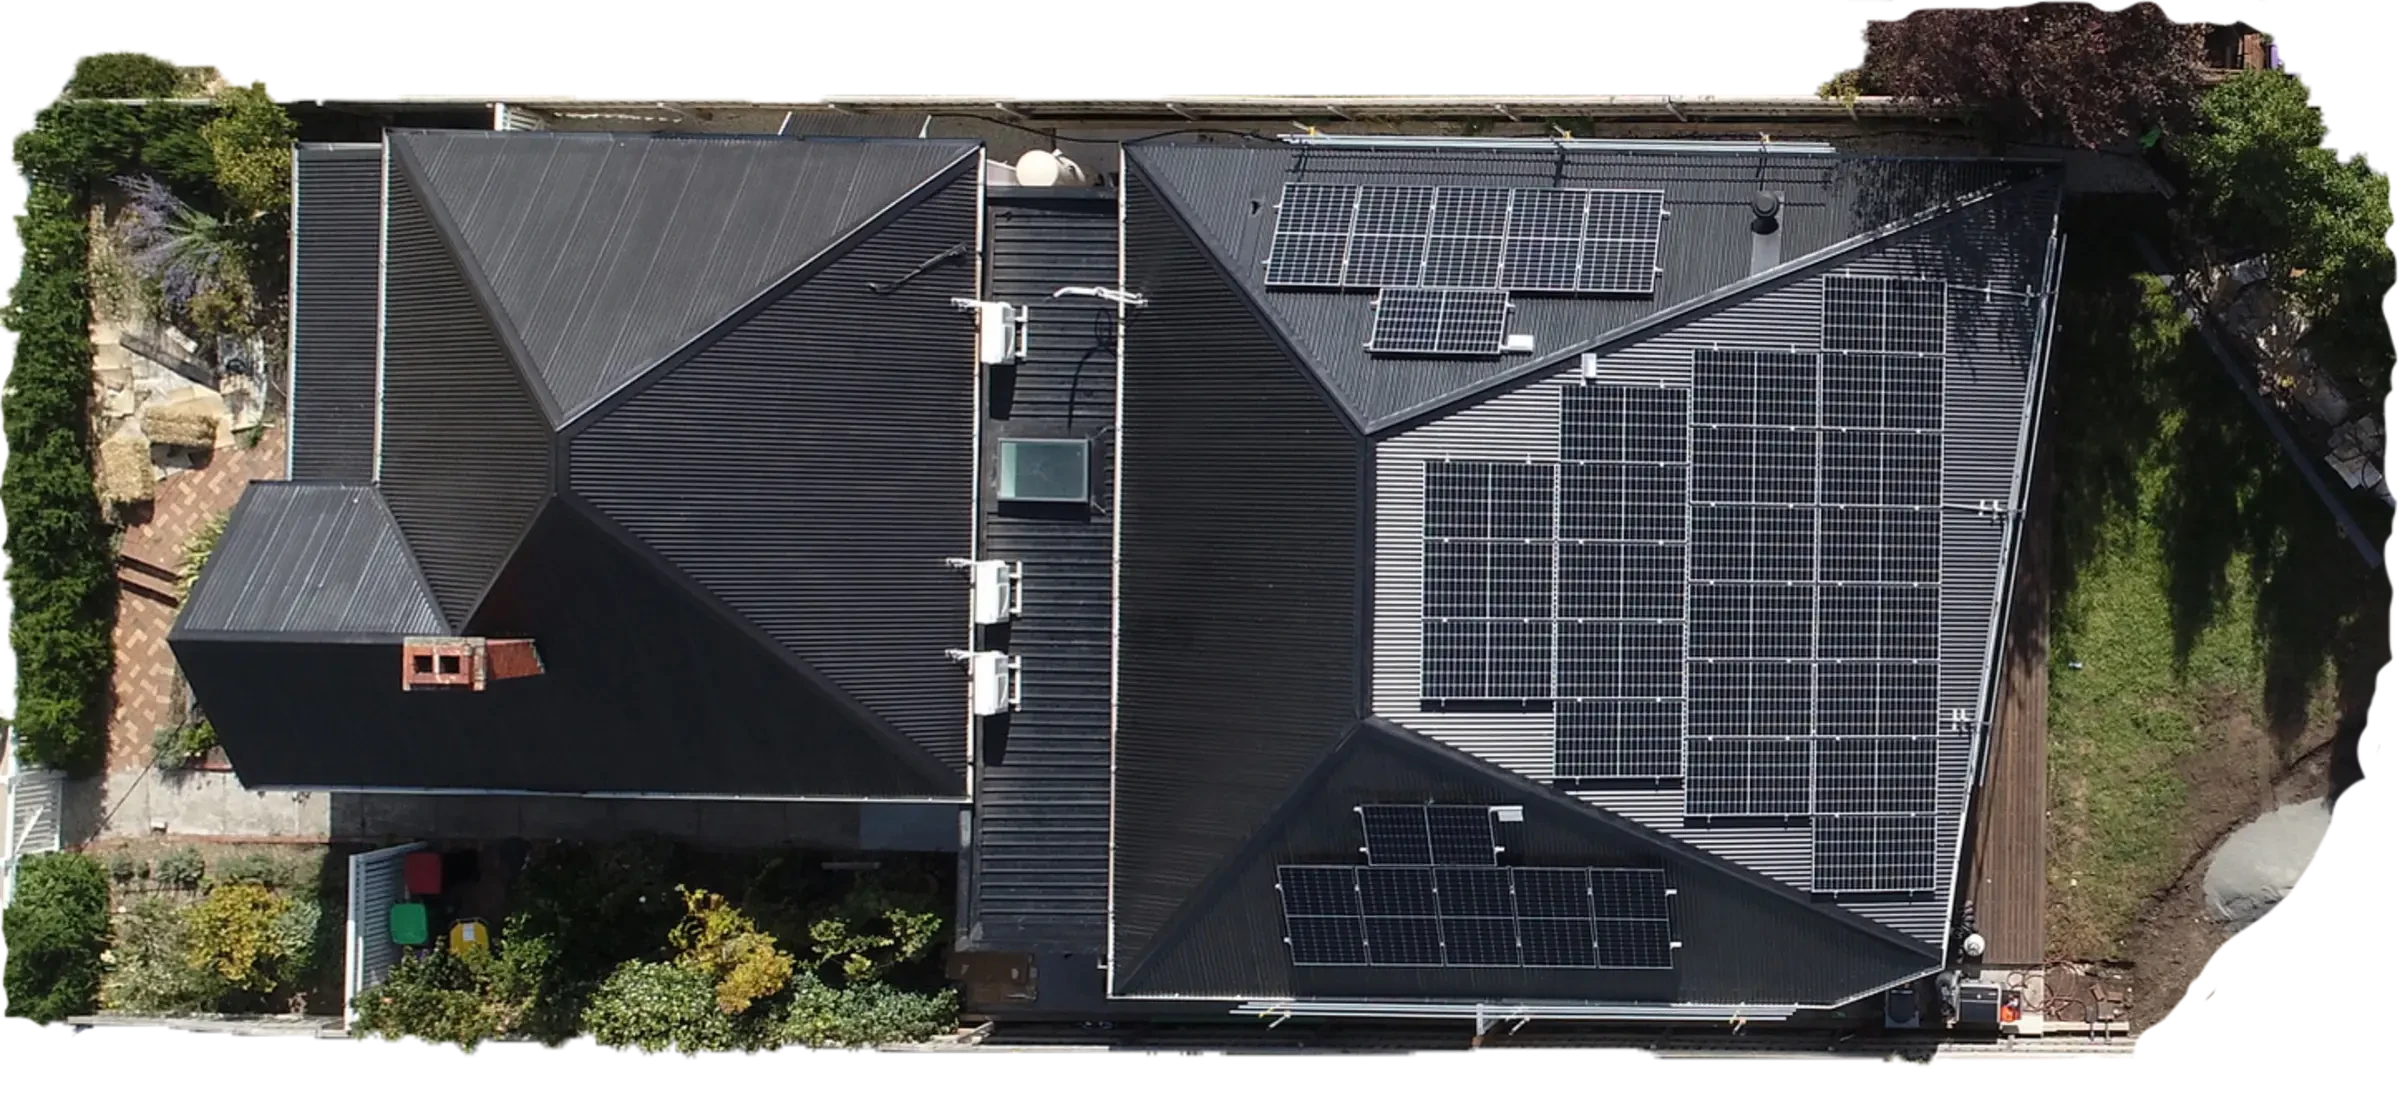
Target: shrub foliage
2066,71
57,927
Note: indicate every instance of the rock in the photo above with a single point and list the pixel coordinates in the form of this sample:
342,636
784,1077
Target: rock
2257,866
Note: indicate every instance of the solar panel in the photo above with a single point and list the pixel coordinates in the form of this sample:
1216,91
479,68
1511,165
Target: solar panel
1746,777
1877,698
1874,854
1881,545
1748,620
1428,834
1547,240
1876,776
1488,581
1897,392
1556,917
1622,423
1440,320
1620,580
1622,502
1760,465
1312,234
1879,622
1753,542
1884,314
1619,739
1767,388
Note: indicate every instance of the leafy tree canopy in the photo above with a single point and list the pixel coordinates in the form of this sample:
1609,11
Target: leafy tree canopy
2066,71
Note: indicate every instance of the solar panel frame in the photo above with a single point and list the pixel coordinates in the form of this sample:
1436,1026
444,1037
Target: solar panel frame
1877,775
1571,241
1547,917
1313,225
1622,739
1747,777
1326,940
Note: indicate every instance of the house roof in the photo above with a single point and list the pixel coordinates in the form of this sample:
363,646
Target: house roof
306,561
1228,197
1249,631
734,365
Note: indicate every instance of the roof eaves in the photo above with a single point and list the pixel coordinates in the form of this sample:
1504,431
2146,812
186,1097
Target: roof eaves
594,410
1269,321
1701,305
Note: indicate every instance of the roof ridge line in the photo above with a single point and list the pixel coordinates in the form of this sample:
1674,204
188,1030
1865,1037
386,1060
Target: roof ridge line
569,424
1689,309
1278,328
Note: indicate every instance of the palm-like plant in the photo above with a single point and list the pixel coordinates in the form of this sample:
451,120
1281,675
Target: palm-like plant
199,263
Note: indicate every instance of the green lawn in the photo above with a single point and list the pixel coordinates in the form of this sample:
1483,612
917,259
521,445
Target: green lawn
2197,581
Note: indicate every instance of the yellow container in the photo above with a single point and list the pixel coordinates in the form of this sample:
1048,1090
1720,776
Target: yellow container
470,934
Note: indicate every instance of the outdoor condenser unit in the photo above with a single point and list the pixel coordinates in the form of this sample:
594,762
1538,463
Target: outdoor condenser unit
999,330
994,589
992,680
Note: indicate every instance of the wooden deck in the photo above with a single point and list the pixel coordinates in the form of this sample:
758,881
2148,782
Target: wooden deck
2007,880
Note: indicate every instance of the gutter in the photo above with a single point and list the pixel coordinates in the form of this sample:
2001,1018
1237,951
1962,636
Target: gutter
1279,109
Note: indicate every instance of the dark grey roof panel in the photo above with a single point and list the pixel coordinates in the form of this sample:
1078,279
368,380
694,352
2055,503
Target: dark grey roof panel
1242,571
466,451
810,469
608,252
1229,194
1039,878
310,560
643,691
337,224
1746,939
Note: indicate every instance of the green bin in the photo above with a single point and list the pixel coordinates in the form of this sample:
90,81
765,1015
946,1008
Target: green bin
407,924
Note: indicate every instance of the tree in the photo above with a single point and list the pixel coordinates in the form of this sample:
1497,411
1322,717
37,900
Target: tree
2262,182
251,142
57,928
2049,70
717,940
124,77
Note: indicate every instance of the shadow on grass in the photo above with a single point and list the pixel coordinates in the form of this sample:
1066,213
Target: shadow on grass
2136,392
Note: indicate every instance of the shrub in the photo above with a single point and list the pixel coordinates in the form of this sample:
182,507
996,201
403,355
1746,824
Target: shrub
872,931
721,943
456,999
57,929
250,937
124,77
659,1006
196,551
181,868
251,142
257,869
122,868
148,969
865,1015
173,747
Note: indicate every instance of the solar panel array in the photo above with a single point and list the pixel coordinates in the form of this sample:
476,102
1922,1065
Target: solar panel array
1465,916
1439,321
1563,585
1428,835
1531,240
1814,638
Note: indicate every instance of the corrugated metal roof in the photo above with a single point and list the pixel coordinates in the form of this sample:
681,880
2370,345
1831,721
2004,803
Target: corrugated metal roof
310,560
608,252
1228,195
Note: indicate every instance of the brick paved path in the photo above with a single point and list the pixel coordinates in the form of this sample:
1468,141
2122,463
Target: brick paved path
145,678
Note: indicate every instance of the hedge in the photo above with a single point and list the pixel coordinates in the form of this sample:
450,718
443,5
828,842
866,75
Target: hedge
62,572
57,928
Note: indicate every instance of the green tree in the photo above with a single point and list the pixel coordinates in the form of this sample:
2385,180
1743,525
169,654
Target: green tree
124,77
2262,181
57,930
250,140
148,971
660,1006
251,937
2067,71
718,941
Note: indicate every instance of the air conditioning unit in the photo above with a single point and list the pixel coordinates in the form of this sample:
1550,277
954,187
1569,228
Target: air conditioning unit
999,330
995,589
994,680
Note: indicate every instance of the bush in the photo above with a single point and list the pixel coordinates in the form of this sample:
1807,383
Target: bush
258,869
252,938
149,971
865,1015
872,931
173,747
181,868
57,929
124,77
196,551
718,941
122,868
456,999
657,1006
2068,71
251,142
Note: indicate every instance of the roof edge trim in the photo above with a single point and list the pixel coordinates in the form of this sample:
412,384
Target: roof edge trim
592,411
1648,325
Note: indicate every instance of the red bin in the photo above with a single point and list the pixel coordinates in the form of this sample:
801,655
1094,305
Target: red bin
421,872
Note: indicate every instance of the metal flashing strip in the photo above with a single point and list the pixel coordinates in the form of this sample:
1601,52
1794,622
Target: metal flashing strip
396,790
1486,1014
1624,146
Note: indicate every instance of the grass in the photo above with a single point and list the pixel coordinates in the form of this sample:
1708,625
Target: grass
2197,581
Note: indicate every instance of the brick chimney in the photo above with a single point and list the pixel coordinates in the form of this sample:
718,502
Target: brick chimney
430,662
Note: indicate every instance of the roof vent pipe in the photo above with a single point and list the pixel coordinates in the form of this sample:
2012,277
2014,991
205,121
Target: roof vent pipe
1766,231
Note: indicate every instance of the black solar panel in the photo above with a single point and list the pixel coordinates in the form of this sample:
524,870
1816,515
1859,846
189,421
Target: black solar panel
1487,620
1766,388
1876,776
1746,777
1396,835
1440,321
1614,918
1638,739
1461,834
1874,853
1546,240
1884,315
1428,834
